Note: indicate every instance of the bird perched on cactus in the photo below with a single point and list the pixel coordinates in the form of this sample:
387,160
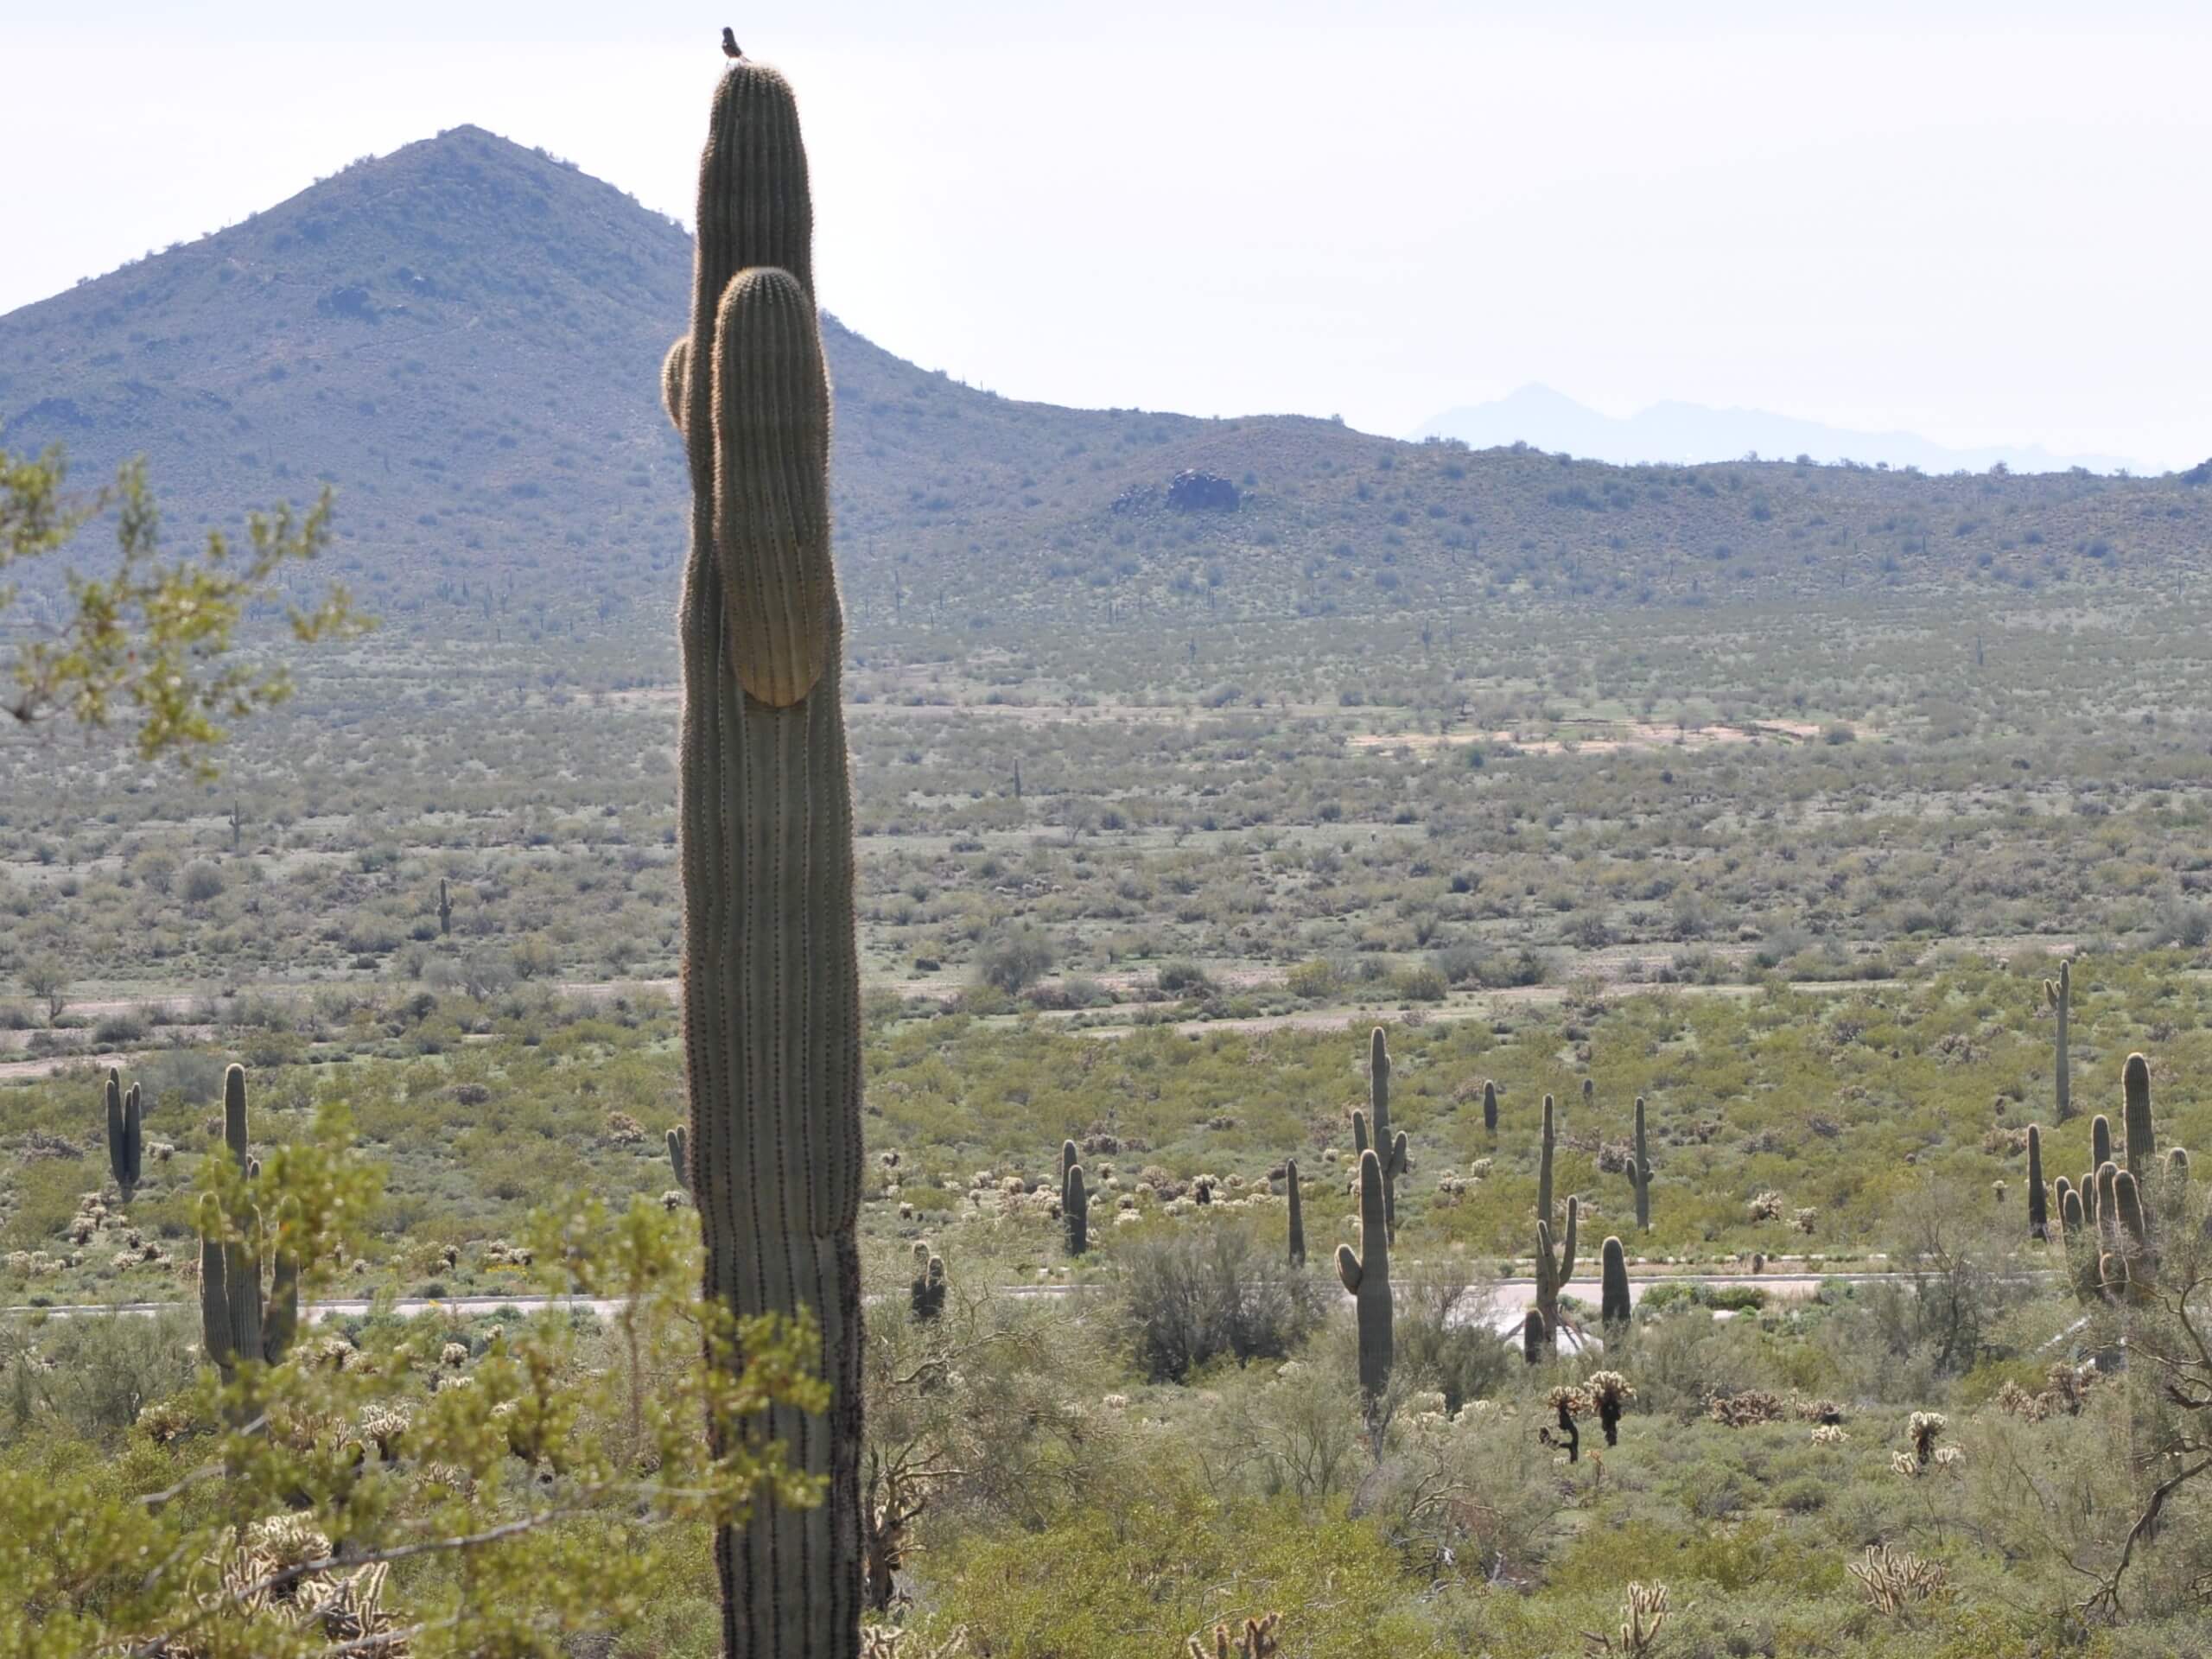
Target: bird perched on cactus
730,48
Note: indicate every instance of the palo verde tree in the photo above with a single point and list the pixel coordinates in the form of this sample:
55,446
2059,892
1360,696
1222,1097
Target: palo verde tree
154,641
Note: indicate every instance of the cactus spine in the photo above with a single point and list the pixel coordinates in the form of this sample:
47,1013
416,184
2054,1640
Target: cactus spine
1639,1174
2038,1213
1614,1299
2140,1150
1367,1277
125,1137
1489,1105
2060,994
1075,1209
679,1156
770,975
1297,1213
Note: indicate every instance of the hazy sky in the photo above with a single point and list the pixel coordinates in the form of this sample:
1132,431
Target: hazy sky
1983,222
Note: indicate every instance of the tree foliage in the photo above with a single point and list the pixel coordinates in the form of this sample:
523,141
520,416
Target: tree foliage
152,642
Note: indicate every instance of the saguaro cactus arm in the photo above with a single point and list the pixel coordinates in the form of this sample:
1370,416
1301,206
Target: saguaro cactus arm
1367,1277
2141,1149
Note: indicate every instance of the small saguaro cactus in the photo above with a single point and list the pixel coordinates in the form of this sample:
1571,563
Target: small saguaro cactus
2140,1146
1532,1337
1390,1149
679,1156
2039,1214
1297,1213
125,1137
1639,1172
1489,1105
236,1321
1367,1277
445,907
2059,992
927,1293
1614,1298
2177,1166
1075,1209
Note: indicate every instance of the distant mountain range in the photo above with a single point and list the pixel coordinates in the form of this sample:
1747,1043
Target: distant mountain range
464,339
1681,434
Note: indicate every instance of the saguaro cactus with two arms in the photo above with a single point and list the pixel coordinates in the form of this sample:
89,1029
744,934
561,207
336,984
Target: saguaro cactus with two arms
772,1019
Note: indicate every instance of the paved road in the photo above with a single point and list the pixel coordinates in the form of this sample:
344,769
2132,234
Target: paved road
1511,1296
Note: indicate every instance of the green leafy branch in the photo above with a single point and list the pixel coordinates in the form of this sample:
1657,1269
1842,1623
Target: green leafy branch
154,638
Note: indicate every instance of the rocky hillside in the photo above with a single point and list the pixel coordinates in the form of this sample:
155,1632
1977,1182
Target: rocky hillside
464,338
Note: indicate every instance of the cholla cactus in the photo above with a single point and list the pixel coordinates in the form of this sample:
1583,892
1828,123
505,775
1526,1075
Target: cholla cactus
1611,1393
1950,1457
1256,1639
1829,1435
454,1355
1566,1403
164,1420
1922,1430
1895,1580
384,1425
1643,1616
1746,1410
1767,1206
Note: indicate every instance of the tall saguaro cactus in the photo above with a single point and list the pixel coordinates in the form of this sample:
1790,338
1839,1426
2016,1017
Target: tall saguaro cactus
1367,1277
1389,1149
236,1321
771,974
2038,1210
125,1136
1297,1213
2060,994
1639,1174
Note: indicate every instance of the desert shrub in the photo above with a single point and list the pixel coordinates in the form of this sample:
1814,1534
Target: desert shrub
1013,959
1191,1295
